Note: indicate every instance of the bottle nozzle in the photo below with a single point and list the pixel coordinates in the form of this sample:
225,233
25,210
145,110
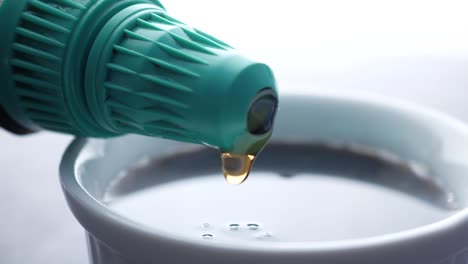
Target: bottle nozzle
107,68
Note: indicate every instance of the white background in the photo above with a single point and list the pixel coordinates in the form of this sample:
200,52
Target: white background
416,50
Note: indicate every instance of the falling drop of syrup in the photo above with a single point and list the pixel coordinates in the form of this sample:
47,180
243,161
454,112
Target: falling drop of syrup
236,167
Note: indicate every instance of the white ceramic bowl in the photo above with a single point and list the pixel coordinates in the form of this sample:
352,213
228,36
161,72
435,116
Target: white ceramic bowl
424,140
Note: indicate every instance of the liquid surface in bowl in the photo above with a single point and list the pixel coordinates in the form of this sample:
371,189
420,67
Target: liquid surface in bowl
298,193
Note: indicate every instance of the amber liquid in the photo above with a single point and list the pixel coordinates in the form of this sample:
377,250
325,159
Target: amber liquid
236,167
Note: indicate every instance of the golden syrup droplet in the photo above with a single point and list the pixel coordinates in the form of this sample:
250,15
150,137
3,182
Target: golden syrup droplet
236,167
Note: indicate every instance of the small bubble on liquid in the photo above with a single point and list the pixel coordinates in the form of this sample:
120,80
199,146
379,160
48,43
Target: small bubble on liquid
253,226
206,225
234,227
265,236
207,236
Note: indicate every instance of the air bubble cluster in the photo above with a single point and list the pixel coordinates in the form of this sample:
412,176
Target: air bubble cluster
251,230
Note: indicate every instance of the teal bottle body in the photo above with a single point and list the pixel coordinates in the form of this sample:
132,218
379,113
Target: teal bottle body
103,68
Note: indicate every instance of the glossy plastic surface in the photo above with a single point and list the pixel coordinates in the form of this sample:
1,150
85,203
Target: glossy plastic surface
103,68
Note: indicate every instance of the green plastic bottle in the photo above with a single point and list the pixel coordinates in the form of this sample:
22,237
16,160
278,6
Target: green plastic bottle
104,68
